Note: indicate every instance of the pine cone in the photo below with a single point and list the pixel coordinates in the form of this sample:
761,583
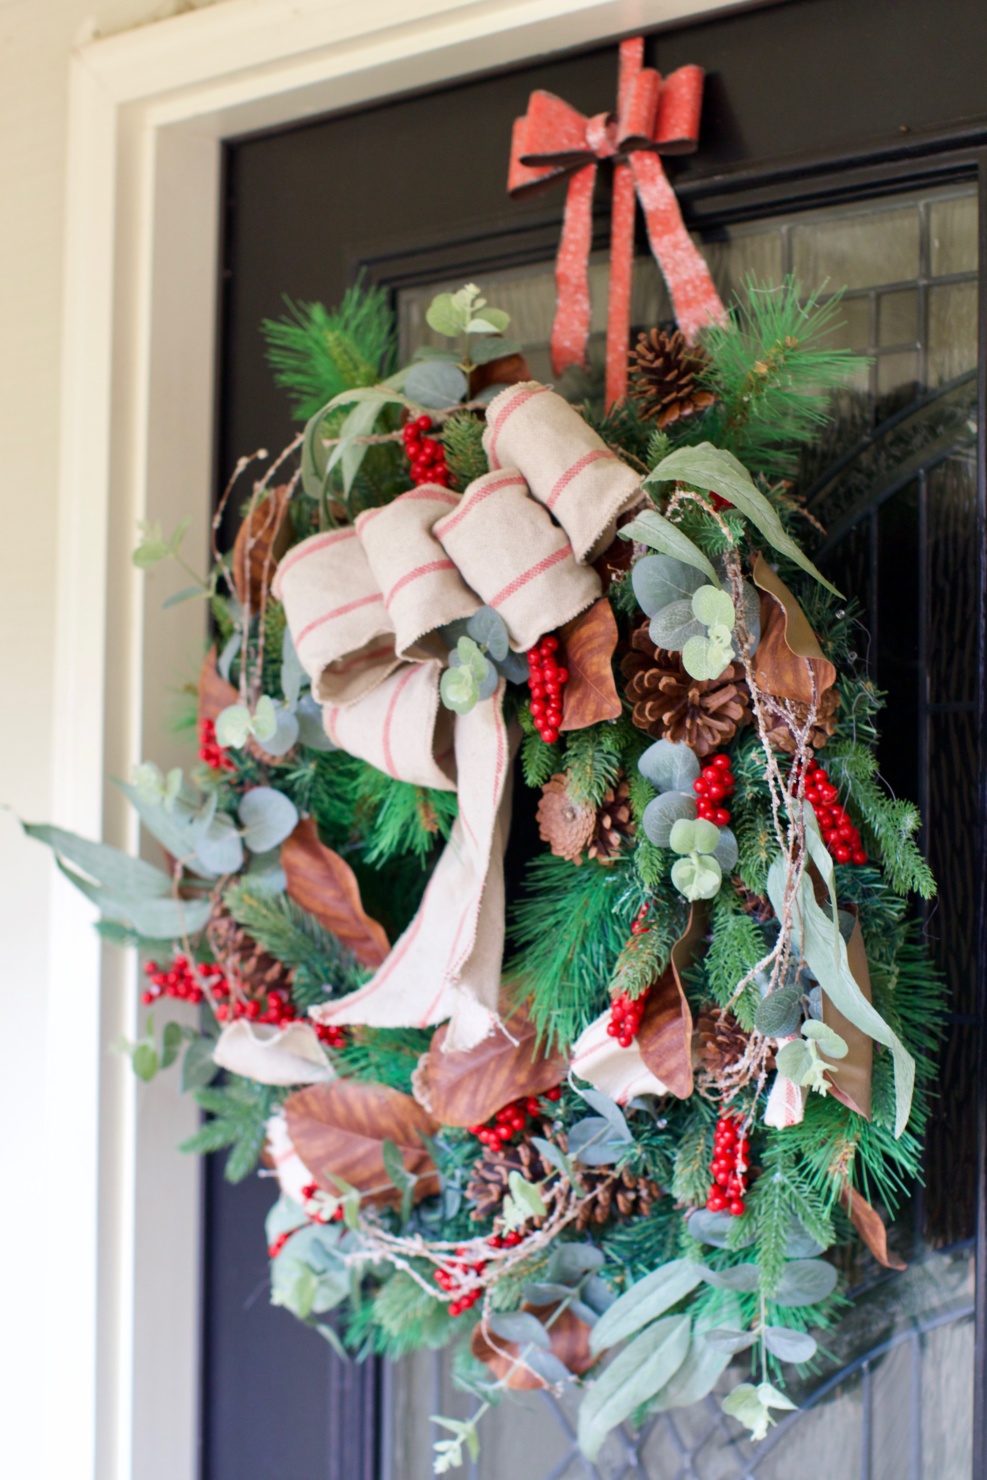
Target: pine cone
566,826
665,371
245,964
488,1184
779,734
758,906
623,1195
613,823
722,1041
668,702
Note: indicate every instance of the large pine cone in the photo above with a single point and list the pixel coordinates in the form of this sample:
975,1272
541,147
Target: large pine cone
722,1041
613,823
565,825
245,964
780,736
623,1195
669,703
665,372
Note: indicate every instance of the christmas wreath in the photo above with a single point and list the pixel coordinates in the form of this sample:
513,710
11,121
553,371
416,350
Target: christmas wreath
599,1125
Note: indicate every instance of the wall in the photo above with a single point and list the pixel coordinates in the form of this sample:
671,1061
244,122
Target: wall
36,38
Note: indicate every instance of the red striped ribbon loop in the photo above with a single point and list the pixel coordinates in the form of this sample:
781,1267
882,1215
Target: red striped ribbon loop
554,141
365,605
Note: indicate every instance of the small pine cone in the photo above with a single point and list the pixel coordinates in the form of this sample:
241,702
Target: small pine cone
566,826
244,963
622,1196
758,906
665,374
779,734
722,1041
613,824
669,703
490,1177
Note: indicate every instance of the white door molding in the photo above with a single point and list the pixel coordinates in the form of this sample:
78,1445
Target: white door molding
149,111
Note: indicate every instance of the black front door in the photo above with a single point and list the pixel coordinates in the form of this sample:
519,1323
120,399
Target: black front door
839,141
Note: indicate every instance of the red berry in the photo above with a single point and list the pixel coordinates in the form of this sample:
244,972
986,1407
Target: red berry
549,643
738,1207
549,735
722,762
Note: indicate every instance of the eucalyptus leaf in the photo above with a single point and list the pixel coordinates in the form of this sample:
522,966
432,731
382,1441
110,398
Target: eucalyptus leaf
800,1244
674,625
779,1015
647,1299
433,352
717,1229
793,1060
658,580
488,628
526,1195
711,606
554,1156
697,836
829,1041
703,1365
233,727
730,1342
520,1325
185,594
268,817
198,1066
220,850
669,766
488,684
144,1058
546,1365
285,732
225,660
663,812
110,868
446,316
514,667
697,877
542,1292
459,690
311,731
706,657
484,350
592,1142
652,528
172,1039
435,384
489,321
743,1279
569,1262
610,1110
597,1294
633,1377
726,851
179,828
805,1282
293,675
718,471
788,1345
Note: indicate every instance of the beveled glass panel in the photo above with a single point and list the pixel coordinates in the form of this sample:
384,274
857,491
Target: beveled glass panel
952,331
953,235
857,250
897,317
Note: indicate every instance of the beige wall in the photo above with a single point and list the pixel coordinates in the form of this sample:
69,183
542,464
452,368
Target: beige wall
36,37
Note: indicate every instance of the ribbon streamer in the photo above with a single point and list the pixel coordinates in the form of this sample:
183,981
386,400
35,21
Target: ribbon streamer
554,141
364,605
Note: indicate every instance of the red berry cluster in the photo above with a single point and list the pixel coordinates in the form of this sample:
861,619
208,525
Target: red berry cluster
426,455
839,834
188,982
451,1279
625,1018
713,786
210,751
546,680
729,1167
182,981
310,1193
513,1118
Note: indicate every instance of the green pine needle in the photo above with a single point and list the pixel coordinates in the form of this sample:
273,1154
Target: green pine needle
890,823
382,1056
462,437
240,1109
322,966
317,352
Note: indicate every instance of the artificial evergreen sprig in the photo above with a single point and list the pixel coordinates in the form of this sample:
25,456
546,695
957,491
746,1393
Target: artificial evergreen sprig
315,352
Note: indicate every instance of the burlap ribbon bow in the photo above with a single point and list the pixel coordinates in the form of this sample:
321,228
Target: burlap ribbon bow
554,140
364,605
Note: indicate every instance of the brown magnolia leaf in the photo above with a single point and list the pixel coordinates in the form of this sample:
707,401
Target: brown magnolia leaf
467,1088
261,540
570,1343
341,1127
325,885
505,370
215,694
665,1035
588,643
788,655
851,1082
870,1226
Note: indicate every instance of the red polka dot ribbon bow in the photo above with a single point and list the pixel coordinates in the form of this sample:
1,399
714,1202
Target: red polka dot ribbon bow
554,141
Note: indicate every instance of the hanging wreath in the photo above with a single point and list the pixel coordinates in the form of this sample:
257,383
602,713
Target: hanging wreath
603,1126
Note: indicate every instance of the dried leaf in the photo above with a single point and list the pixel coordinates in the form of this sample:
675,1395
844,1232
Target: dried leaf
341,1128
325,885
869,1225
665,1034
588,643
261,540
467,1088
505,370
570,1344
788,656
215,694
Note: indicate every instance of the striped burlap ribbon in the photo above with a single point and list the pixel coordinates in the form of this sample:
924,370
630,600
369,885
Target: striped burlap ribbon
363,605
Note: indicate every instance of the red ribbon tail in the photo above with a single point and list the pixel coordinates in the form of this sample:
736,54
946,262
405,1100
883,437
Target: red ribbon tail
694,297
570,331
621,283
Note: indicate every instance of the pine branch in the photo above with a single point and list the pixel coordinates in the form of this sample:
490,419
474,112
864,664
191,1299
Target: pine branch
737,945
466,460
691,1179
593,763
890,822
317,352
401,818
644,957
282,928
240,1109
403,1318
382,1056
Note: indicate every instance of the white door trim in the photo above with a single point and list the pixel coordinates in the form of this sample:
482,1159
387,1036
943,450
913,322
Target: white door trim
149,111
